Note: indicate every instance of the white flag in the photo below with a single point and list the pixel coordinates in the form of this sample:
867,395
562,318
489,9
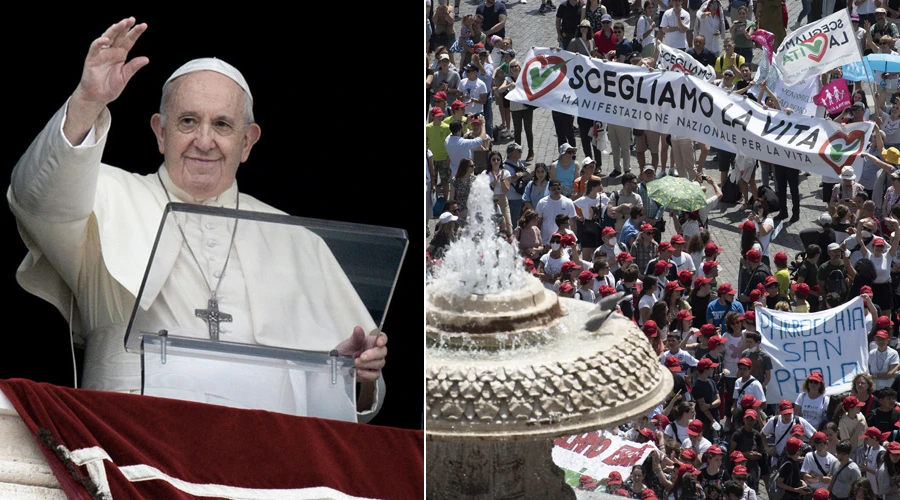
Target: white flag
672,59
817,48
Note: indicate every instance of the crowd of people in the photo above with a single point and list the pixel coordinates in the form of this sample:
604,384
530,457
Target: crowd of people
587,236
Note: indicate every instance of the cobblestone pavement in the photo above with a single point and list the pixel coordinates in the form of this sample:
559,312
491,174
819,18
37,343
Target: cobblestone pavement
529,28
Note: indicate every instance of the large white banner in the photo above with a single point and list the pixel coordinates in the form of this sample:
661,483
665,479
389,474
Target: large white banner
673,103
818,47
678,60
832,342
596,454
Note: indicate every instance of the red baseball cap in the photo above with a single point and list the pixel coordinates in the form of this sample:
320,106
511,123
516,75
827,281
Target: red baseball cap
695,428
707,330
883,323
615,478
437,112
689,454
748,401
816,375
866,289
878,242
711,249
702,280
585,276
648,494
441,95
664,246
608,230
739,470
606,290
781,258
676,239
684,314
685,276
705,364
725,289
882,334
567,240
457,104
624,257
771,280
793,445
673,285
874,433
821,494
568,266
820,437
715,341
661,266
747,225
850,402
662,421
714,450
565,287
737,457
672,364
894,447
528,263
753,255
650,329
745,362
798,430
710,265
785,406
751,414
801,289
649,434
755,295
749,316
647,228
687,469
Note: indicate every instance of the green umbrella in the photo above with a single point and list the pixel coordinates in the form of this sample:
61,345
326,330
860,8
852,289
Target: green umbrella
676,193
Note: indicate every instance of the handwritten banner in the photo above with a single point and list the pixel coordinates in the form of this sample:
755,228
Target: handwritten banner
835,96
832,342
672,59
673,103
818,47
596,454
798,97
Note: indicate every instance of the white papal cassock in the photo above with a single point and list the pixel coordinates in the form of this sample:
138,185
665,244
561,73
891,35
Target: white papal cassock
90,228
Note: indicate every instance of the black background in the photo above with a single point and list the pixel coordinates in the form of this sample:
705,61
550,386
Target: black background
323,151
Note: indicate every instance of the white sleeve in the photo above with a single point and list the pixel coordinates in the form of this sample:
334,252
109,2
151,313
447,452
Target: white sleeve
893,357
570,208
770,426
808,429
807,463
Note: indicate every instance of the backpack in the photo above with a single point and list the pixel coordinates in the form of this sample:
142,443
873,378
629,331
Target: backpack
521,182
836,283
608,221
776,492
636,45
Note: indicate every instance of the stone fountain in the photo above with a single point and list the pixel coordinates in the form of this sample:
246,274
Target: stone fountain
510,367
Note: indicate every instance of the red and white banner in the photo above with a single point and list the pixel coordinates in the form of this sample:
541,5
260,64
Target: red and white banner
672,59
835,96
131,446
595,454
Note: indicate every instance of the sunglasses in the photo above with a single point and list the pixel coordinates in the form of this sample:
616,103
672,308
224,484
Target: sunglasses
495,159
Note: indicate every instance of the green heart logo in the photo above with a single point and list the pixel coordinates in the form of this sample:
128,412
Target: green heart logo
816,46
538,72
842,149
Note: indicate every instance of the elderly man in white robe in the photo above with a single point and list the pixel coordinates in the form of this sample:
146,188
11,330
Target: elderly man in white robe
89,227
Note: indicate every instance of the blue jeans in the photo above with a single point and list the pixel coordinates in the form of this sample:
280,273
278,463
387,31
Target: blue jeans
805,9
515,211
489,116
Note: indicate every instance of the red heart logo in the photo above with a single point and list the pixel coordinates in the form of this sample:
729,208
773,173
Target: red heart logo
829,153
811,45
540,62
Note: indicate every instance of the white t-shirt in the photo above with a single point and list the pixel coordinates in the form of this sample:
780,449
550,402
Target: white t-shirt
701,447
733,350
764,240
682,432
684,358
776,427
880,362
547,209
813,410
891,129
553,265
817,466
474,90
675,39
867,7
498,187
646,301
682,262
871,456
755,389
585,202
643,25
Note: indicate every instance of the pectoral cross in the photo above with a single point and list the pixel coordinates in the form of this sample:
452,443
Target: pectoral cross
213,317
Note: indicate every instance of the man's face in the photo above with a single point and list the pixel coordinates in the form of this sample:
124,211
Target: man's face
676,4
879,18
515,154
672,343
445,65
729,45
745,73
555,192
472,75
834,254
743,371
699,43
648,175
631,185
205,137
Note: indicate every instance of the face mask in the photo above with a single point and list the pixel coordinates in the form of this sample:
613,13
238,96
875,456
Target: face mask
554,246
612,241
